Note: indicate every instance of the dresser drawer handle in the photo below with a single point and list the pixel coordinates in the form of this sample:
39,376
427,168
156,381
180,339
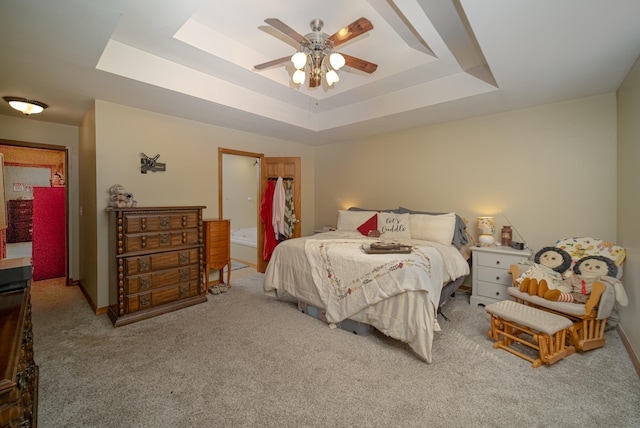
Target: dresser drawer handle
184,258
143,264
497,262
144,283
184,290
164,222
144,300
164,239
184,274
497,278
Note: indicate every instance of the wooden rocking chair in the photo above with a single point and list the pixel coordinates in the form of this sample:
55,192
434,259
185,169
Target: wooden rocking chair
590,318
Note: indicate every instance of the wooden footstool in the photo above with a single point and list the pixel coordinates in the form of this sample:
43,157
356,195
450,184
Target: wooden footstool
515,322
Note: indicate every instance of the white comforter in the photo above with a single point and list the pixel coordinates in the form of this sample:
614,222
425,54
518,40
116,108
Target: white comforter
402,304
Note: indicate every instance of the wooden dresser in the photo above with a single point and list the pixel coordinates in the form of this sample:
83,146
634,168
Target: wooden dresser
157,260
18,371
20,220
218,248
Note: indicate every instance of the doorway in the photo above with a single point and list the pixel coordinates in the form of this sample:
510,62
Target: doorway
37,169
239,201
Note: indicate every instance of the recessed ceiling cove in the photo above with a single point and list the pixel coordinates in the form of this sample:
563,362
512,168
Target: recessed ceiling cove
425,55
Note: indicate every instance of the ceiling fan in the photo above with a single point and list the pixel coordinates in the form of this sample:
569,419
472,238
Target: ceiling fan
316,52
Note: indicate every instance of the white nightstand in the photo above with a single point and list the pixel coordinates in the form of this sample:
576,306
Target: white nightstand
491,275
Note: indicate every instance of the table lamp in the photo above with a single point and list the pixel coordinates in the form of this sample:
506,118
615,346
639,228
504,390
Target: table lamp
486,228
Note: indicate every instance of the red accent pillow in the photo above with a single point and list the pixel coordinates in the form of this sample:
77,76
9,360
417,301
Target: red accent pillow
369,225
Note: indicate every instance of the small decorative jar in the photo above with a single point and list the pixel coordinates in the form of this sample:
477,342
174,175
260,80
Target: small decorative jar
506,236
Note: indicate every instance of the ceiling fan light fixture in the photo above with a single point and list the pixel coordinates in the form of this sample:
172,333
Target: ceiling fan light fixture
299,77
336,60
26,106
299,60
316,55
332,77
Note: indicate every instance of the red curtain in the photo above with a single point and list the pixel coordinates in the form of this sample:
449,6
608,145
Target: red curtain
49,233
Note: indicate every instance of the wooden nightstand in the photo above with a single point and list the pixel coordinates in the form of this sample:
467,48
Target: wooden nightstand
491,276
217,249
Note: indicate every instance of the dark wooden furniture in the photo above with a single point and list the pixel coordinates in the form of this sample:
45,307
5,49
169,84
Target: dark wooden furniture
218,248
20,220
18,371
157,261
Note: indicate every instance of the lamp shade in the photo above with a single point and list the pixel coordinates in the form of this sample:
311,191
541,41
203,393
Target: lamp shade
336,60
298,76
486,225
299,59
486,228
332,77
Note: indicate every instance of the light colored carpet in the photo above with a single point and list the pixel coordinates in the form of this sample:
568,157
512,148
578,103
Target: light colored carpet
246,359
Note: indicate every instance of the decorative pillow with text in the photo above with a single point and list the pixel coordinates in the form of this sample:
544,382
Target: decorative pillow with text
394,226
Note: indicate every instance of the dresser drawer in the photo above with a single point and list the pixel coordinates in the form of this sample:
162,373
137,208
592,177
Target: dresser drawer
493,291
20,212
158,262
495,275
137,302
20,205
139,283
221,249
160,222
156,241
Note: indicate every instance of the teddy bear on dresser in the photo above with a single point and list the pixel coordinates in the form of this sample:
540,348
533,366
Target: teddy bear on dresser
590,275
545,273
120,198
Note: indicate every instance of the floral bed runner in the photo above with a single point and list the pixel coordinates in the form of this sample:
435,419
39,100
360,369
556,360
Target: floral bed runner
349,280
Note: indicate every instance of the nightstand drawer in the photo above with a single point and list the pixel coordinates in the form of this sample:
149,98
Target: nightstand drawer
493,291
502,261
495,275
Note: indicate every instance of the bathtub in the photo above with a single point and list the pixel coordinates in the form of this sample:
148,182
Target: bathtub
247,236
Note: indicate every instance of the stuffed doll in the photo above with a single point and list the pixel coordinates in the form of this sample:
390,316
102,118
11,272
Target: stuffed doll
590,275
546,271
120,198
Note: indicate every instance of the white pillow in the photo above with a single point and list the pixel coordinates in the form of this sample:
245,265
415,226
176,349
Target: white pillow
436,228
352,220
394,226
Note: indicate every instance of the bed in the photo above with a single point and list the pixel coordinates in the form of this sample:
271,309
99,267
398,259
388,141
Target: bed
398,294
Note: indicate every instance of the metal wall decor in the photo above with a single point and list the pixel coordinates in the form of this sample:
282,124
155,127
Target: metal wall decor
150,164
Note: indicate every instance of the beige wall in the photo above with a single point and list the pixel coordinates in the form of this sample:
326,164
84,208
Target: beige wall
629,201
33,131
550,169
87,192
190,151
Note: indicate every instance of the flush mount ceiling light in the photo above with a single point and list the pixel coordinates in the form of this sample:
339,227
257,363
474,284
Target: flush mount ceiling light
316,56
26,106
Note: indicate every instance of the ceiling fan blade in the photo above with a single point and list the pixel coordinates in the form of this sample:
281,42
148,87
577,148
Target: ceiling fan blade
359,64
272,63
284,28
352,30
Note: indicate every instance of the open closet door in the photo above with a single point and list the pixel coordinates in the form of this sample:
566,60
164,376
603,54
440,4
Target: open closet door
49,233
270,169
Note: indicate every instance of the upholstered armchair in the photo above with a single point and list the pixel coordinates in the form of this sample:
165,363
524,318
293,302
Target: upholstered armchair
589,318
